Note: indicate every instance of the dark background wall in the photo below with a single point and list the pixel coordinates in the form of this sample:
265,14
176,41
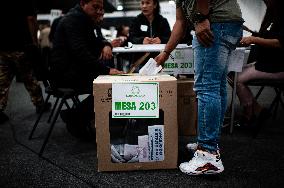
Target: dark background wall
44,6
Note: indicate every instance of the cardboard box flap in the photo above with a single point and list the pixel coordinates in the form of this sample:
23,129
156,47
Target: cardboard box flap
134,78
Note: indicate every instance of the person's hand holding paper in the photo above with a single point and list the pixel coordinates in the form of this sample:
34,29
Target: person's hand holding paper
150,68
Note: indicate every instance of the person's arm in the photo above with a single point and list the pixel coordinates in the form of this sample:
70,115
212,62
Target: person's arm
202,29
105,42
77,38
176,36
270,43
33,28
106,53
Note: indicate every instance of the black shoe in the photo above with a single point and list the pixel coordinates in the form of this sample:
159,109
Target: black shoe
264,114
3,117
81,130
41,107
67,115
77,125
255,123
260,121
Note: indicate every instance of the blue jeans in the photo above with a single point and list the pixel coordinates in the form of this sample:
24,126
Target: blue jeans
210,66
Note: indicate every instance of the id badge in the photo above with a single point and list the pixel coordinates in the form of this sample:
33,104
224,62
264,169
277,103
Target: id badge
144,28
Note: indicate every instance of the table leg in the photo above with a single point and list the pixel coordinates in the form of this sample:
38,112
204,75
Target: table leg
115,60
233,102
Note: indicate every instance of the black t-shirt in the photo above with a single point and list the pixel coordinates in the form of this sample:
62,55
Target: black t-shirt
271,59
15,33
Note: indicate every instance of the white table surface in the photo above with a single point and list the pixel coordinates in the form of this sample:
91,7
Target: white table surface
146,48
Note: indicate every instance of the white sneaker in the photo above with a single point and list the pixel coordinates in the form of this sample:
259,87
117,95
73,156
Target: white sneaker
202,163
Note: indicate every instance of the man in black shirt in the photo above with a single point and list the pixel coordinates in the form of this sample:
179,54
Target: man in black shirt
78,56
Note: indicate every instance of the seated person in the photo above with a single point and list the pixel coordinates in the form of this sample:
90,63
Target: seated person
269,59
121,36
77,57
120,41
149,27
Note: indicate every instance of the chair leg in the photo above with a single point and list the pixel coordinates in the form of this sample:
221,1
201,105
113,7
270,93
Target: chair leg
280,93
233,103
53,109
39,117
63,100
75,101
275,103
281,101
66,104
259,92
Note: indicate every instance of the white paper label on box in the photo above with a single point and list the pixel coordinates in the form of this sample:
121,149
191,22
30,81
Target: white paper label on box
143,147
156,142
182,62
135,100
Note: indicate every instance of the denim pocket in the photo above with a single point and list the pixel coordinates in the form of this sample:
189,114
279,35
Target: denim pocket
231,34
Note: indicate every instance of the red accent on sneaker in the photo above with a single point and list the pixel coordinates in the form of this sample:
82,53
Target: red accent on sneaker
207,167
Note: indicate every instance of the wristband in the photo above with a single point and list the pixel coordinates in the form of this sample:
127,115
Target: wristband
199,17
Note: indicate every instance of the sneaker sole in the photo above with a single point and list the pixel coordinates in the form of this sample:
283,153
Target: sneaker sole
206,172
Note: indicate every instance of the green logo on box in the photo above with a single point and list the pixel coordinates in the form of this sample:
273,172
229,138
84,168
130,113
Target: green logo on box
125,106
135,92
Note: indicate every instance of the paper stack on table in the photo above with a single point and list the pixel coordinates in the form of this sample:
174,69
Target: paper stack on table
150,68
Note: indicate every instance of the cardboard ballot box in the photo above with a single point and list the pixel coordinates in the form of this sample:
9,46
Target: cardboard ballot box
186,108
136,122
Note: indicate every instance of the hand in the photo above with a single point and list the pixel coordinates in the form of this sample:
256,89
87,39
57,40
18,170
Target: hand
246,41
147,40
161,58
203,33
106,53
123,38
156,40
116,42
113,71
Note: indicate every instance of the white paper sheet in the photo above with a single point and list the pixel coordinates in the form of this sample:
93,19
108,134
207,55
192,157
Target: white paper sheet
150,68
236,61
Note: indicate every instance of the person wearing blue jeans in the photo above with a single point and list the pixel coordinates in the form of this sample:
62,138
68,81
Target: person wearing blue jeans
218,29
210,81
